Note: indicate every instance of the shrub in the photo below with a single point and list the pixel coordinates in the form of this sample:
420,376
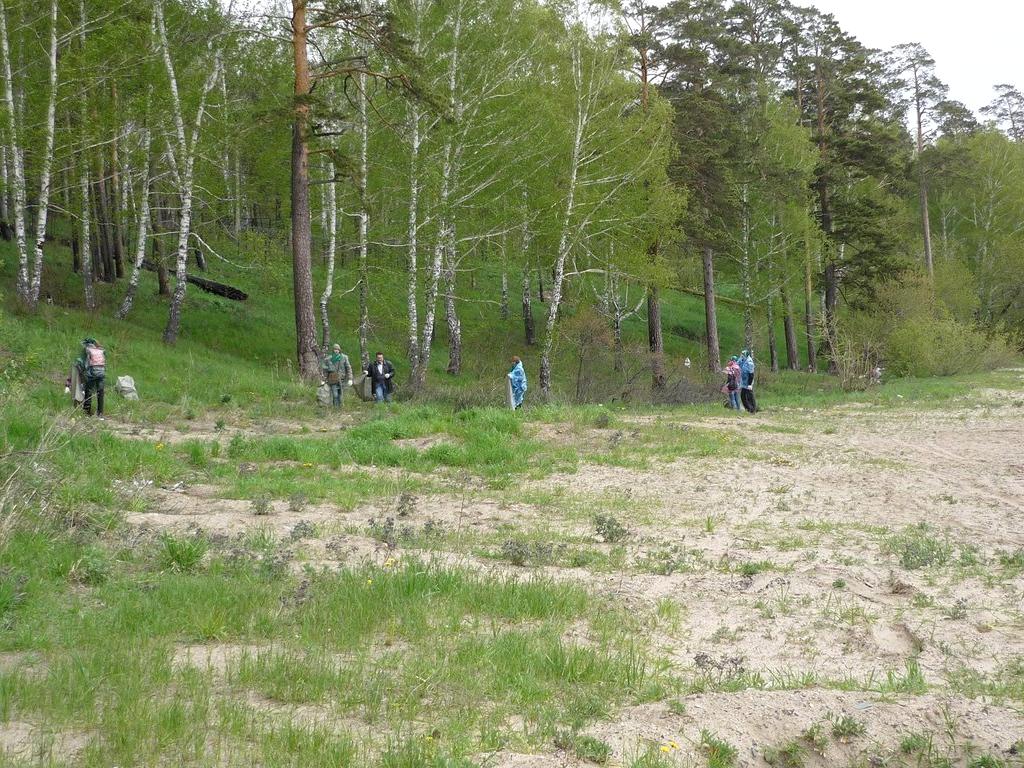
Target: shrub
261,505
609,528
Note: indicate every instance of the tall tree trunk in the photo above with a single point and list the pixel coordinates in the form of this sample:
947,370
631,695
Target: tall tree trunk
429,314
302,235
5,226
17,164
773,347
364,212
809,321
85,251
922,178
655,340
789,326
412,234
746,278
503,310
115,194
186,167
140,238
564,242
528,327
710,314
47,162
332,248
104,227
450,310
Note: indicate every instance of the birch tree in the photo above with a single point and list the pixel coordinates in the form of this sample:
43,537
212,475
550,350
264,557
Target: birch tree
17,162
184,161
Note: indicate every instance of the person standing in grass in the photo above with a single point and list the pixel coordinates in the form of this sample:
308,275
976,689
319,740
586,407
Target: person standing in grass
337,371
382,378
517,375
92,368
733,375
747,387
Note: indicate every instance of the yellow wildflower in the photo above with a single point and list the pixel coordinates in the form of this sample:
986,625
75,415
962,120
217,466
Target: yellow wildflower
308,464
369,581
159,446
673,744
664,748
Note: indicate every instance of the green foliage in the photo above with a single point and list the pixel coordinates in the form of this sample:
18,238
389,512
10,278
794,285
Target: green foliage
720,753
182,553
609,529
917,546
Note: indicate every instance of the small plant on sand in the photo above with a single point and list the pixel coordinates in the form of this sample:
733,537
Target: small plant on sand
816,737
609,529
384,530
296,502
406,505
987,761
789,755
914,743
720,753
261,505
846,727
591,749
917,546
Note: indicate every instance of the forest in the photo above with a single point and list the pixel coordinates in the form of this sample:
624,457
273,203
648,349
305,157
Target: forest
575,157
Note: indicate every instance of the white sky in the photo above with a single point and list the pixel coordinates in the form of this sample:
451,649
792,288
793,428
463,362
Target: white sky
975,44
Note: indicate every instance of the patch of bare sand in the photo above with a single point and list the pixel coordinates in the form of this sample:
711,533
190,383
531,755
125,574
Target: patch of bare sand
26,741
207,430
753,720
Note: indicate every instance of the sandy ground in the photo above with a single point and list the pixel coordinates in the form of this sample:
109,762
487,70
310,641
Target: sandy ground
811,504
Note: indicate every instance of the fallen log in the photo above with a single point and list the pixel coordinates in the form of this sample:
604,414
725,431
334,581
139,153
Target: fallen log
210,286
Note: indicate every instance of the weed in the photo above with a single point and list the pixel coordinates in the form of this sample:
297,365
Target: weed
296,502
918,547
815,736
839,584
261,505
303,530
789,755
916,742
720,754
406,505
592,749
609,529
986,761
677,707
752,568
846,727
958,610
183,554
384,530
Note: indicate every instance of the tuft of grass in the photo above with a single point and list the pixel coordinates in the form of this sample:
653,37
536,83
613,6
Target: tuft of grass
789,755
261,505
182,553
918,546
845,727
720,753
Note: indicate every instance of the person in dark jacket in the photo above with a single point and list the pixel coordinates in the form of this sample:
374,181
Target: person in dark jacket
382,377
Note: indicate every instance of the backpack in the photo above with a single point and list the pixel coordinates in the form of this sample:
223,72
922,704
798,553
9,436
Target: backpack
95,361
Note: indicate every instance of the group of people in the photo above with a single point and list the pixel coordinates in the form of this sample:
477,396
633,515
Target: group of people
337,370
739,382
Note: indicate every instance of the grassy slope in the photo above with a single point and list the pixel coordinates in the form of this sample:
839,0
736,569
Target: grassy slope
238,349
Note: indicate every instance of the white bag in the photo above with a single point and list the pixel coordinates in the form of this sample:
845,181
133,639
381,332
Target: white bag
323,394
125,387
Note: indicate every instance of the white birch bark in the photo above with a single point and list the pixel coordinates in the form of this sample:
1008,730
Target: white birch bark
564,241
47,162
332,249
364,214
17,162
85,251
412,277
745,276
448,224
186,167
140,242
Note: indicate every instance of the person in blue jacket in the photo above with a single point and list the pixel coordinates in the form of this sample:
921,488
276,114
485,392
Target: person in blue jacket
747,387
518,377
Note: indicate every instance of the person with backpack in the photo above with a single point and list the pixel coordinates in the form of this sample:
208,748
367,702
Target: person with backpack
337,371
92,366
733,375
